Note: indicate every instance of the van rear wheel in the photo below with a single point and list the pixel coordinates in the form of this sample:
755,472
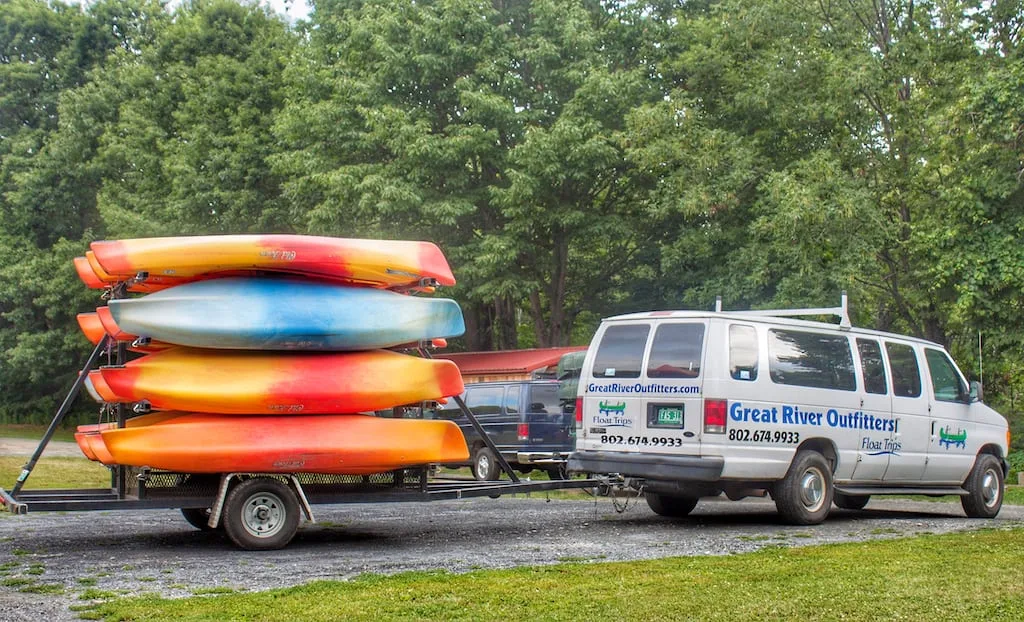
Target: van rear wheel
674,507
984,488
804,496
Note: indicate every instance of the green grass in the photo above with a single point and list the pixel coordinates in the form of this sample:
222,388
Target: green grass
949,577
35,432
55,473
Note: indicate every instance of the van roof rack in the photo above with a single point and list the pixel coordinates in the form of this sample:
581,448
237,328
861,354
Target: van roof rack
841,311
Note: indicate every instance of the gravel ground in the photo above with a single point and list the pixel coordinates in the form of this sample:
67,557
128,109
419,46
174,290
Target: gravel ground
156,551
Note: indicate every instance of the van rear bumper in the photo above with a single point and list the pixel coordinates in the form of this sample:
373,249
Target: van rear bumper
669,468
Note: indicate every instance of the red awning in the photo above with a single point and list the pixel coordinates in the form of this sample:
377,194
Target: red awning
507,361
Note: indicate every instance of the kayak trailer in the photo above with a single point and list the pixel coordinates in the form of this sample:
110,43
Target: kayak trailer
258,511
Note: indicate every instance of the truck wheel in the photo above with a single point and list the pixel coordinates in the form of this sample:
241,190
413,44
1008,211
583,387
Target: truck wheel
665,505
984,487
850,502
558,472
485,465
198,518
261,514
804,496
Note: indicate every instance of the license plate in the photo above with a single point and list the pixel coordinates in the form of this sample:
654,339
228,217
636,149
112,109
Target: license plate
665,416
670,416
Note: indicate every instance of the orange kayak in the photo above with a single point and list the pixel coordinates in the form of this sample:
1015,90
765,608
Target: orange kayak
91,444
258,382
374,263
336,444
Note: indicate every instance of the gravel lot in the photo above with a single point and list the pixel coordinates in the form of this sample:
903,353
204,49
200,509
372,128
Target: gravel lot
156,551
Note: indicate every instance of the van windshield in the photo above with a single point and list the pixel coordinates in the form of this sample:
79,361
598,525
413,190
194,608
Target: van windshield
544,399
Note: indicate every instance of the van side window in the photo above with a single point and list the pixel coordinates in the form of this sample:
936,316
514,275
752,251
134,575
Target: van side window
485,400
811,360
742,352
906,375
676,350
946,382
621,351
512,399
874,369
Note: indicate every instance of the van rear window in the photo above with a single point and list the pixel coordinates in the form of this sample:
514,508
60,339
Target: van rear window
544,399
676,351
811,360
621,352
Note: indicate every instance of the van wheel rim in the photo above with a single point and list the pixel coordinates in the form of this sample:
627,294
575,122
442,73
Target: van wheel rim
812,489
990,488
263,515
483,464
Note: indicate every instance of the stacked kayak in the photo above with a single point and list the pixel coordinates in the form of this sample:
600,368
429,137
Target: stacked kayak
262,354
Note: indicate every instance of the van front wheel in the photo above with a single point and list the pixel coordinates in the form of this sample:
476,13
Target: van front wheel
984,488
674,507
804,496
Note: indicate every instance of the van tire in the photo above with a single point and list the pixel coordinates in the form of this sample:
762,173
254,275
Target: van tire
485,465
804,495
984,487
673,507
850,502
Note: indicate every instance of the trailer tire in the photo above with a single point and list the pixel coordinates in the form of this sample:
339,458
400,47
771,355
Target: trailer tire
198,518
485,465
804,495
261,514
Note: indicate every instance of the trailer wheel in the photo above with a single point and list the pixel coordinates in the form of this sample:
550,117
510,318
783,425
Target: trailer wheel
485,465
261,514
804,495
198,518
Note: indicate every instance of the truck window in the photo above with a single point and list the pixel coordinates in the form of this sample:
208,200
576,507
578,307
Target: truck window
813,360
621,351
946,382
484,400
544,399
512,399
906,375
742,352
874,369
676,351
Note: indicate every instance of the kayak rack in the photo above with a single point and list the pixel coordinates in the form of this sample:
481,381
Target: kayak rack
145,488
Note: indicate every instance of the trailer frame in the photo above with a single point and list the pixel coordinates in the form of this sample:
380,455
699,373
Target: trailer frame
143,488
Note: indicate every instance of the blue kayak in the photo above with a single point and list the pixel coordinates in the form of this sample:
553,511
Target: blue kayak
286,314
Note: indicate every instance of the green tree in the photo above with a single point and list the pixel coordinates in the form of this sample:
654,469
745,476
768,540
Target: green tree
491,127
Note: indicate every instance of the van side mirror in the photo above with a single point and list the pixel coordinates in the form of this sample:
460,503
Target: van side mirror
976,393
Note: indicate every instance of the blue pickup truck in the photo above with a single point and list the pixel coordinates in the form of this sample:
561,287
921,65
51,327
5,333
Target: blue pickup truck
530,425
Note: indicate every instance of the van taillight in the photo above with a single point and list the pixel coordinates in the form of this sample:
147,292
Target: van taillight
714,416
523,431
579,411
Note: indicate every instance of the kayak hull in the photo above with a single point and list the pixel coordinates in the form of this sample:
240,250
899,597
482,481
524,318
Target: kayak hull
232,382
282,314
376,263
334,444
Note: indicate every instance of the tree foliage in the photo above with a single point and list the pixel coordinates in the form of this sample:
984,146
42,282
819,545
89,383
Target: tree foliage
573,158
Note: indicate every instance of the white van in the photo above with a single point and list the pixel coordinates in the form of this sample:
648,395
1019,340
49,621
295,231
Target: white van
688,404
